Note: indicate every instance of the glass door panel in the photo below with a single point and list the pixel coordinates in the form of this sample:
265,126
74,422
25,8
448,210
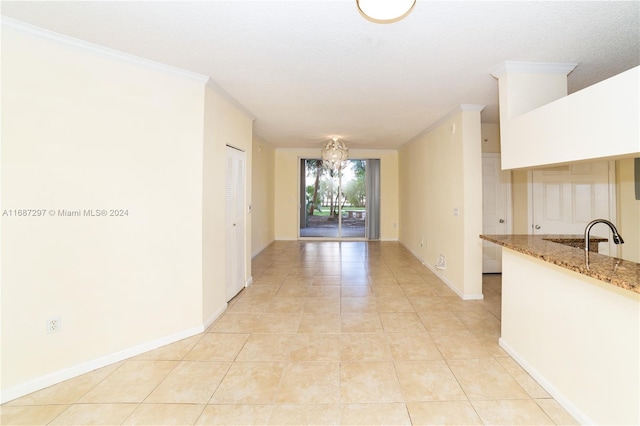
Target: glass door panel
354,201
334,202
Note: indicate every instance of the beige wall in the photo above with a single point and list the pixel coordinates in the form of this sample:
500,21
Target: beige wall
287,181
520,197
226,123
286,192
264,194
490,138
85,128
440,171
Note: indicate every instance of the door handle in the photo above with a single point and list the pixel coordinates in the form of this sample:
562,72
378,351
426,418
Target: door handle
537,226
501,221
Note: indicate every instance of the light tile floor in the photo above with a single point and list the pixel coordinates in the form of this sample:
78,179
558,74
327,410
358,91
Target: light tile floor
350,333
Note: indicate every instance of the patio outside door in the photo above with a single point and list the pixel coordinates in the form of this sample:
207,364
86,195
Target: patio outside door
334,204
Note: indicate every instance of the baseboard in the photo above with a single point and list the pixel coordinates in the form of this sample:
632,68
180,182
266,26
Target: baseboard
215,316
444,279
262,249
248,282
77,370
473,297
546,385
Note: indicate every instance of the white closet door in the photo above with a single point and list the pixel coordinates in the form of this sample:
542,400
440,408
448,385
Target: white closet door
235,221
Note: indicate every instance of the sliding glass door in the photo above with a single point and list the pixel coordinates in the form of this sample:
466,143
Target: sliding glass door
336,205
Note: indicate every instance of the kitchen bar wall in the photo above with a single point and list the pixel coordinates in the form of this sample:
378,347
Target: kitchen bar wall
598,122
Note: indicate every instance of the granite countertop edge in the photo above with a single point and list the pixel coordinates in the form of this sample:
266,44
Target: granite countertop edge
618,272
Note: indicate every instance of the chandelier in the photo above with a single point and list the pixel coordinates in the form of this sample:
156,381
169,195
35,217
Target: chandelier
334,153
385,11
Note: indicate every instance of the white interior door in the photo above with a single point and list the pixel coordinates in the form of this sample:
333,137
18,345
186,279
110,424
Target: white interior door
567,198
235,221
496,211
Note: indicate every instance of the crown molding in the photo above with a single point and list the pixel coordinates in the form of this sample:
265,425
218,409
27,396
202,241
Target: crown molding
97,49
505,67
471,107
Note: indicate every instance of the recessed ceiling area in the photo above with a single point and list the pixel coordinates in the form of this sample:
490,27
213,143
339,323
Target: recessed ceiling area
309,70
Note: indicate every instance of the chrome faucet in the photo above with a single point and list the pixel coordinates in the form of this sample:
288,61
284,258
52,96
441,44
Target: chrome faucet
617,239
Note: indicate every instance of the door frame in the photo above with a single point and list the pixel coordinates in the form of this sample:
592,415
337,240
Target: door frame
301,175
506,185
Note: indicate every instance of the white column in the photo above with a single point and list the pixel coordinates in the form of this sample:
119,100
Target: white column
525,86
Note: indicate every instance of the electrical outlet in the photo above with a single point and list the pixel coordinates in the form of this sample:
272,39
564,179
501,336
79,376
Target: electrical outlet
54,325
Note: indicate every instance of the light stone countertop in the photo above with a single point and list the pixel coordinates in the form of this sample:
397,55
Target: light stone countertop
612,270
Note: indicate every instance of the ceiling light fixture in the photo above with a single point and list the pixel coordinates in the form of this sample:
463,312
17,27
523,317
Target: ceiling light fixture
385,11
334,154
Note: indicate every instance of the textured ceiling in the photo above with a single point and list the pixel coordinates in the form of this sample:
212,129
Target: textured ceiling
312,69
